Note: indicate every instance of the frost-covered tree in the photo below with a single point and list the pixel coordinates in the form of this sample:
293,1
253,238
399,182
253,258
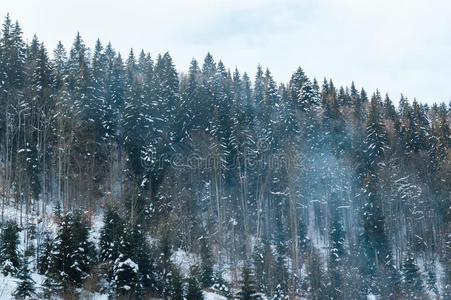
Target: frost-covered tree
413,284
9,254
26,286
207,264
194,290
45,254
127,280
376,136
177,289
110,235
248,288
73,254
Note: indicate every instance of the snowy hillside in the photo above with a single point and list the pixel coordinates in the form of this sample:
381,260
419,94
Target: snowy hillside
123,178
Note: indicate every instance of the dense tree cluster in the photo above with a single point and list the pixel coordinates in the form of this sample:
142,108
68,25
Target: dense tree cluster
296,190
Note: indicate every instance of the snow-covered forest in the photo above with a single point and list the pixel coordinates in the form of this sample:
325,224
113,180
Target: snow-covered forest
124,178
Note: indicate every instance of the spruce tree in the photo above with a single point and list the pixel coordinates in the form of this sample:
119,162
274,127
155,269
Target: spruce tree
194,291
110,235
177,290
376,246
279,294
431,279
164,265
9,254
221,286
376,136
25,287
316,276
44,254
73,254
248,289
336,267
140,255
207,264
126,276
413,284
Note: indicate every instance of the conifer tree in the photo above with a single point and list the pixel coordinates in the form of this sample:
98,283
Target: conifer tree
140,252
316,277
177,285
221,286
44,254
25,288
110,235
413,284
376,136
431,279
446,293
164,265
73,254
9,255
206,265
336,268
194,291
248,290
375,243
126,276
279,294
302,91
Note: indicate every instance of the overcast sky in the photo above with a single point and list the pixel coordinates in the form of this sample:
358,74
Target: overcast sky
398,46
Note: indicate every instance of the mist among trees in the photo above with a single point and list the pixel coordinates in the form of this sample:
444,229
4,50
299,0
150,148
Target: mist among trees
297,190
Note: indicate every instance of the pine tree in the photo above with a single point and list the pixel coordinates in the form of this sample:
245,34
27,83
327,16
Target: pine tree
114,103
376,246
177,285
447,268
376,138
207,264
302,91
263,263
73,254
316,276
304,99
135,120
279,294
248,289
99,91
221,286
140,252
51,287
164,265
413,284
336,269
110,234
193,113
25,287
334,125
126,276
44,254
9,255
194,291
421,127
431,279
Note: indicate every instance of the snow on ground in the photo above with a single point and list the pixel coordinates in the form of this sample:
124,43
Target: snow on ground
43,224
213,296
46,224
7,287
185,261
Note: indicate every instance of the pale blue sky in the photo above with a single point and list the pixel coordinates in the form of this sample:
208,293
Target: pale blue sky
398,46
